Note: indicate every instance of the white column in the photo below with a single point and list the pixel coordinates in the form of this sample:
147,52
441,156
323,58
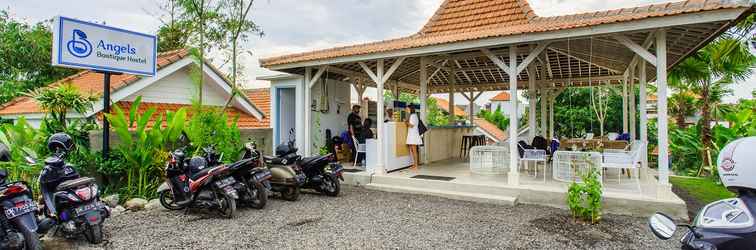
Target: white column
471,108
299,111
624,106
423,87
423,101
643,113
551,99
531,103
379,131
544,96
632,121
514,175
452,87
661,82
307,112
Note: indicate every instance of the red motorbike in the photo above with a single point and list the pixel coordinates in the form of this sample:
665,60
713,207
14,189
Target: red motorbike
191,183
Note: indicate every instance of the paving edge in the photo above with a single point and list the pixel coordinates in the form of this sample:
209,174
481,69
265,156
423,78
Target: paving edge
482,198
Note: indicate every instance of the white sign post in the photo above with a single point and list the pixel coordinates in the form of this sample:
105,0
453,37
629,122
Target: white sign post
104,49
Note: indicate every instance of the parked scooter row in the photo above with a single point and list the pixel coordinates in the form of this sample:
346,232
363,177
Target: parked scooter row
70,203
205,182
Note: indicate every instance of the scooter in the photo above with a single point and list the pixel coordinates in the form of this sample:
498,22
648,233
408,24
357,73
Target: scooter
321,172
724,224
18,224
191,183
252,181
285,180
76,199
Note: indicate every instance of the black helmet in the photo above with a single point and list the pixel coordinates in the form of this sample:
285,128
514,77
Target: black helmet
60,141
5,155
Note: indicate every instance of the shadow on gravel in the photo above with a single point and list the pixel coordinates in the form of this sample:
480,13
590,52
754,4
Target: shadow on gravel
304,222
582,235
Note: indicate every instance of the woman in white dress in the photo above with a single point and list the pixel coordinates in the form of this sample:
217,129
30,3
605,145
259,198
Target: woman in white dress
413,135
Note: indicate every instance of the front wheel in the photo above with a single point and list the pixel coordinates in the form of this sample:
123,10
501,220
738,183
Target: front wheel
31,240
291,193
258,194
330,185
226,205
93,234
166,199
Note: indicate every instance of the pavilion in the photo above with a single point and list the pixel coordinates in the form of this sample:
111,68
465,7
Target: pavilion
470,46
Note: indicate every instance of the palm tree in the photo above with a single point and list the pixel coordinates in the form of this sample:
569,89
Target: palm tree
681,105
721,63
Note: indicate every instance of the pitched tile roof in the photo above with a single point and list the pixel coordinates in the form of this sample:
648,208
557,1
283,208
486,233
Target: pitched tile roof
444,105
261,99
464,20
501,97
89,83
245,121
491,129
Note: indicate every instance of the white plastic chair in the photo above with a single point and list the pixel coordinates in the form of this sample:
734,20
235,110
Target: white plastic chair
360,148
536,156
624,159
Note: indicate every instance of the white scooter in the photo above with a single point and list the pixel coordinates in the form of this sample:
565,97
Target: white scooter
728,223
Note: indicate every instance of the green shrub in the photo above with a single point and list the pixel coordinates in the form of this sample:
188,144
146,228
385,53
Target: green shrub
584,199
209,126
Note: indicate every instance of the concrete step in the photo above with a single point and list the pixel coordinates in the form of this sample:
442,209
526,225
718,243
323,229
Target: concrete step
452,186
465,196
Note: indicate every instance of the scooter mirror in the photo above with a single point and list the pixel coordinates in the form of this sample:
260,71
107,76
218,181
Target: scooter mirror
3,174
30,160
662,226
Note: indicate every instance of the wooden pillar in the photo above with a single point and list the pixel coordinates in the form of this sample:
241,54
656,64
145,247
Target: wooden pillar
632,106
379,169
514,175
624,106
643,113
544,96
531,103
452,88
661,81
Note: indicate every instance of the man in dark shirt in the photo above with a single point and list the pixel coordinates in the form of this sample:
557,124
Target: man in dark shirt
354,122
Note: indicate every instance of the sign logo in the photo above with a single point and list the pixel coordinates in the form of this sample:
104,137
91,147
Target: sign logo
78,46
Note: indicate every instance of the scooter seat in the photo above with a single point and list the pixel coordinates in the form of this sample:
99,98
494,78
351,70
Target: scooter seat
70,184
201,173
309,160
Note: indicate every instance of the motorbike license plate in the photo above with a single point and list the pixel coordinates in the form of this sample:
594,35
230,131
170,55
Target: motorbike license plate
83,209
20,208
225,182
263,175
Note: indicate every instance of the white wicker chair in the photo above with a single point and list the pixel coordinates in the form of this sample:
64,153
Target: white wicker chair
625,159
568,166
489,160
536,156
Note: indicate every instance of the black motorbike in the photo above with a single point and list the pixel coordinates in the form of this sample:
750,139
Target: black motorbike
252,180
321,173
192,183
724,224
71,202
18,224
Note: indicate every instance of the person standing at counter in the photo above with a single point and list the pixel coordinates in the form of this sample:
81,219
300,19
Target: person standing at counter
354,122
413,135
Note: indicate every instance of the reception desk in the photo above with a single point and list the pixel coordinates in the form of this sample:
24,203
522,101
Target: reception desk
395,151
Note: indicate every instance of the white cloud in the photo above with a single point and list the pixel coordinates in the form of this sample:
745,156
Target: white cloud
301,25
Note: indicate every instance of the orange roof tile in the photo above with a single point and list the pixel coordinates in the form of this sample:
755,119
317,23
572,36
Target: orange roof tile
261,99
464,20
491,129
501,97
245,121
444,105
89,83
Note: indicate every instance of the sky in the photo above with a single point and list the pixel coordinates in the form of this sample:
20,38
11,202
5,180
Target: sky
293,26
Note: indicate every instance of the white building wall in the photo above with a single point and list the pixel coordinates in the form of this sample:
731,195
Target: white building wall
178,88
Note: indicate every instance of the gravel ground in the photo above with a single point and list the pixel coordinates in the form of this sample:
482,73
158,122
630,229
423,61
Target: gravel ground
366,219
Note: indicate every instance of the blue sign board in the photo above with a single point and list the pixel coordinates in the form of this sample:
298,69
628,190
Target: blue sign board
85,45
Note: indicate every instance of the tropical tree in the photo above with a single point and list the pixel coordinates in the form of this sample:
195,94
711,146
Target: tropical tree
681,105
236,29
58,101
600,104
25,57
721,63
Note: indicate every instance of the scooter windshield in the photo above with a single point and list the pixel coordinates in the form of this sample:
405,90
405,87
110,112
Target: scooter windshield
728,213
